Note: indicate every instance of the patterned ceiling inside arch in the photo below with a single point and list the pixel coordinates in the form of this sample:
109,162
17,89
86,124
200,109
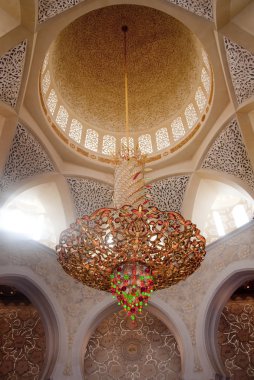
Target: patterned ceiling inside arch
122,349
164,67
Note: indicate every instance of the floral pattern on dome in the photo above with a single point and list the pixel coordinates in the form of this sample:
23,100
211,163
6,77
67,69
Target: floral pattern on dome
89,195
27,158
203,8
241,67
12,65
228,154
50,8
168,194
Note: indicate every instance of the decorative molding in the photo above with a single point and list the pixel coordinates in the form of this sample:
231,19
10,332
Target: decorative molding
167,194
50,8
26,158
228,155
203,8
241,67
89,195
11,70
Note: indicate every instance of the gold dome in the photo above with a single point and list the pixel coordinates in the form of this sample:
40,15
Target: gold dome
164,67
169,82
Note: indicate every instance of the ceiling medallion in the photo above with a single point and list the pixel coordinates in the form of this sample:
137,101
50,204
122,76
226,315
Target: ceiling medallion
134,248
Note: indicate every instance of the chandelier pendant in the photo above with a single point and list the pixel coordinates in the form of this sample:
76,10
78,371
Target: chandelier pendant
133,248
131,252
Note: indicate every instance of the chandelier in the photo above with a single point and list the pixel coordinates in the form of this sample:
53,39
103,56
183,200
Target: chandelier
133,248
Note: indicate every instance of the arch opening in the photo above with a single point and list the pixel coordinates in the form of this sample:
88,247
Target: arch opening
158,309
220,208
121,348
235,333
36,213
213,318
30,341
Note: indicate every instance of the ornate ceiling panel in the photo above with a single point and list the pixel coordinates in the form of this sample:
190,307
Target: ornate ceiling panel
164,61
89,195
11,70
27,158
168,194
236,338
51,8
228,154
203,8
122,349
241,67
23,341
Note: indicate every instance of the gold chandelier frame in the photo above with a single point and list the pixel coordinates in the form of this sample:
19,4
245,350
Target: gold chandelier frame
93,247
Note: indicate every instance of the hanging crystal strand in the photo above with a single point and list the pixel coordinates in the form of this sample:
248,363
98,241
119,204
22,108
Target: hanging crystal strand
125,30
132,285
129,183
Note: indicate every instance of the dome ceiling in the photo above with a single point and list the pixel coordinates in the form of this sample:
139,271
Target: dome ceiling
164,65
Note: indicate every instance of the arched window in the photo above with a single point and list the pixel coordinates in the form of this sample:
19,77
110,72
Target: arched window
220,208
46,82
191,115
52,101
200,99
240,215
75,130
234,334
205,59
145,144
177,128
91,141
124,144
109,145
35,214
205,78
23,340
62,117
218,223
162,139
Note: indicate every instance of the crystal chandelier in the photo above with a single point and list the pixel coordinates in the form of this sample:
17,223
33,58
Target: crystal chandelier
133,248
